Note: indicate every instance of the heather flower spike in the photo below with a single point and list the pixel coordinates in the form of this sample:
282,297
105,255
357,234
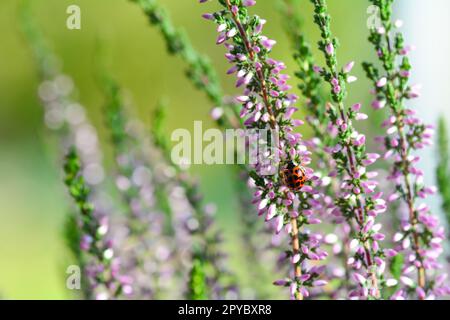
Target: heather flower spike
359,202
421,235
324,138
269,105
100,265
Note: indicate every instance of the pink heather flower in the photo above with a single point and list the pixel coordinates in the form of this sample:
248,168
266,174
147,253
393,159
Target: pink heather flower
281,282
349,66
267,43
359,278
382,82
289,112
293,289
356,107
265,117
377,104
221,38
361,116
216,113
407,49
248,3
242,98
240,82
372,157
208,16
329,48
320,283
360,140
262,204
85,242
271,212
231,33
232,70
305,277
317,69
420,293
414,91
279,224
222,27
295,258
379,236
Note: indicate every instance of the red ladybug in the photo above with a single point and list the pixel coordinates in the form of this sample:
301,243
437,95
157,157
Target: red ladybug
294,176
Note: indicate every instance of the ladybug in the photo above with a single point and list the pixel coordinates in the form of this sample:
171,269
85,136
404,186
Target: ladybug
293,176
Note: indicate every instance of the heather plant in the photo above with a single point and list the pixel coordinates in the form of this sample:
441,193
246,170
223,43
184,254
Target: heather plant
100,264
266,103
358,202
324,139
420,235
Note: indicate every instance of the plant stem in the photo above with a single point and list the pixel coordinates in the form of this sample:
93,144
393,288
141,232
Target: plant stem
259,72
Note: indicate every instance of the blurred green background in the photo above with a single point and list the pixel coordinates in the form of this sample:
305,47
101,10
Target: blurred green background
33,202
